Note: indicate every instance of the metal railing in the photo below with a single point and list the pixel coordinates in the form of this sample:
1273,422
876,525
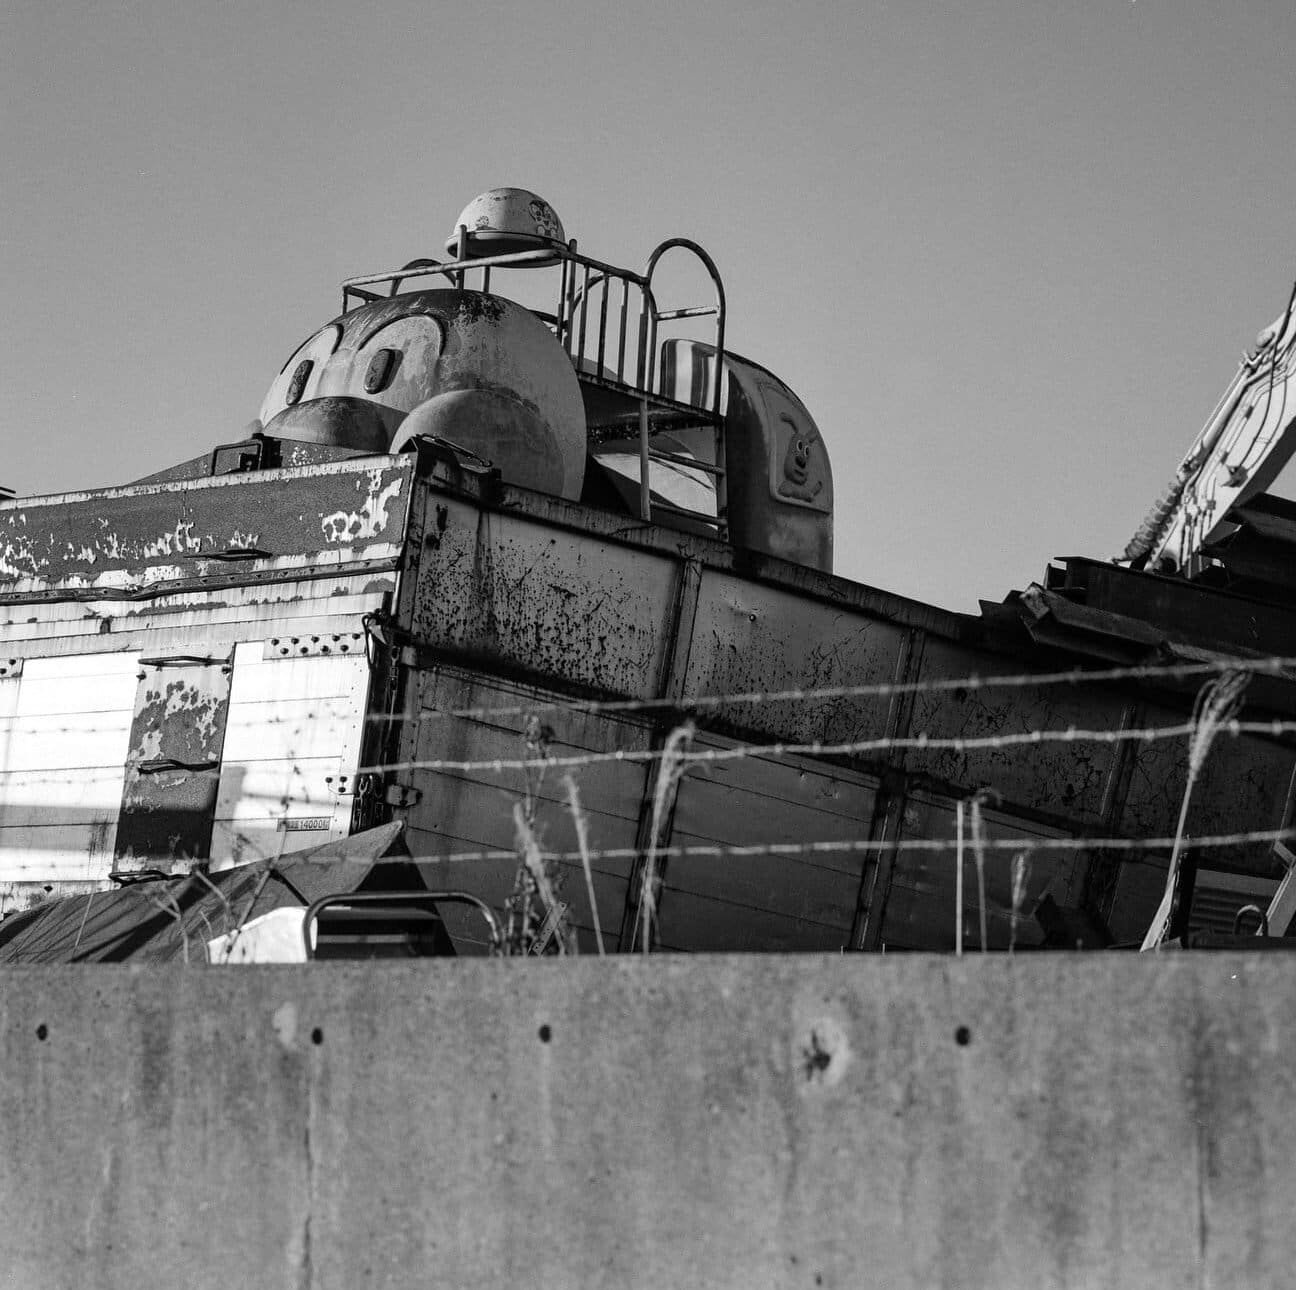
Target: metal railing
608,322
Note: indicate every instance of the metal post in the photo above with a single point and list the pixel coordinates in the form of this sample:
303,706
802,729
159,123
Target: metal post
461,254
645,492
625,320
958,884
585,282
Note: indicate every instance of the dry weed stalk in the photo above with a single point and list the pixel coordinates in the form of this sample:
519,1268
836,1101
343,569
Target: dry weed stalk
528,927
1218,702
978,800
1021,868
582,842
668,774
541,883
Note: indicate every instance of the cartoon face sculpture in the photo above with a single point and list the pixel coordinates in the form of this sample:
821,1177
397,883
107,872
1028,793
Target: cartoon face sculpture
797,484
475,370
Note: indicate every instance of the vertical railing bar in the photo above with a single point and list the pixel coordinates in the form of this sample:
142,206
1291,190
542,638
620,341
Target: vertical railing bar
603,306
486,280
585,281
461,254
560,311
571,291
652,350
645,491
625,320
641,366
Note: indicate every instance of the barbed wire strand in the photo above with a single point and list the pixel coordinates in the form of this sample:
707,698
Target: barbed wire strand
855,747
831,846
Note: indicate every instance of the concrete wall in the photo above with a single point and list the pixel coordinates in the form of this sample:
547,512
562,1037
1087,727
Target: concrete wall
683,1122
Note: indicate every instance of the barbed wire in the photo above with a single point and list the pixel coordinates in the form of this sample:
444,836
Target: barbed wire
1274,665
849,748
854,845
848,846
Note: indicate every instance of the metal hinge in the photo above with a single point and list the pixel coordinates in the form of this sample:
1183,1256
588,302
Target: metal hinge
10,668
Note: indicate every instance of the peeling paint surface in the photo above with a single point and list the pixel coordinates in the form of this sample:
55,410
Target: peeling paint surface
371,519
168,531
521,595
173,764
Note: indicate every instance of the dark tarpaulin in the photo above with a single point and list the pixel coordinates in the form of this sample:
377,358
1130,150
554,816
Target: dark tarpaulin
171,919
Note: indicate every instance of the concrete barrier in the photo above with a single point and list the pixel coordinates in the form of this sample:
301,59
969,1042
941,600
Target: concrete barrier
686,1122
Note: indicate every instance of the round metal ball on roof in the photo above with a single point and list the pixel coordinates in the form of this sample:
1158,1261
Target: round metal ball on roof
505,220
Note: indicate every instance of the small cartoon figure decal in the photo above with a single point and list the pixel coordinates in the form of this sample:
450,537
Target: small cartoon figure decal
546,222
796,466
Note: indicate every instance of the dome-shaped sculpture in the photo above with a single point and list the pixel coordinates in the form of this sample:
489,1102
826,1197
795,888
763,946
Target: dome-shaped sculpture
505,220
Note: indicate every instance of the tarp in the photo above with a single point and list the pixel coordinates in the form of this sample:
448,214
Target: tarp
170,919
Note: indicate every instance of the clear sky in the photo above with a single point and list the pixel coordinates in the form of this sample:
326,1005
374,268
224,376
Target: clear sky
1008,252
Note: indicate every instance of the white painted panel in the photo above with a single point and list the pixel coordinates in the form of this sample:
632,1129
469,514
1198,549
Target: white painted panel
25,795
66,741
9,695
307,727
266,789
57,852
75,684
274,680
63,749
294,728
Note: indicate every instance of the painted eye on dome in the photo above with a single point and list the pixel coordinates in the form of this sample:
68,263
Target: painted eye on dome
379,373
298,382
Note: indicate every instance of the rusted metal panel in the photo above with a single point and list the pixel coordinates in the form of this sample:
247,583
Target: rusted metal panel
526,597
1241,787
473,811
921,906
766,902
129,538
173,762
1061,778
293,734
750,636
1185,611
64,732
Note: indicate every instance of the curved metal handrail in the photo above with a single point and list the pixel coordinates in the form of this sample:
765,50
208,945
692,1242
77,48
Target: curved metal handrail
314,909
709,264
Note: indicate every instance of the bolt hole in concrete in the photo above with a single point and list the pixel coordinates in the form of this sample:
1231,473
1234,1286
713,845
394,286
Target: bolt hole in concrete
962,1036
546,1034
317,1036
42,1032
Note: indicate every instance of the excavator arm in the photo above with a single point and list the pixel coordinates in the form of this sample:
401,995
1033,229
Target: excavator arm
1240,451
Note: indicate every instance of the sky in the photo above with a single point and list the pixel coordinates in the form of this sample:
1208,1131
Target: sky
1007,253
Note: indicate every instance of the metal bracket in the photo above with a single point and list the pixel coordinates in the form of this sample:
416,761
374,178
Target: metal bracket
10,668
312,646
402,796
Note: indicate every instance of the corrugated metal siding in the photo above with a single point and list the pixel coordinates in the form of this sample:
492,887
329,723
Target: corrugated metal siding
63,741
749,636
770,902
474,811
920,908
